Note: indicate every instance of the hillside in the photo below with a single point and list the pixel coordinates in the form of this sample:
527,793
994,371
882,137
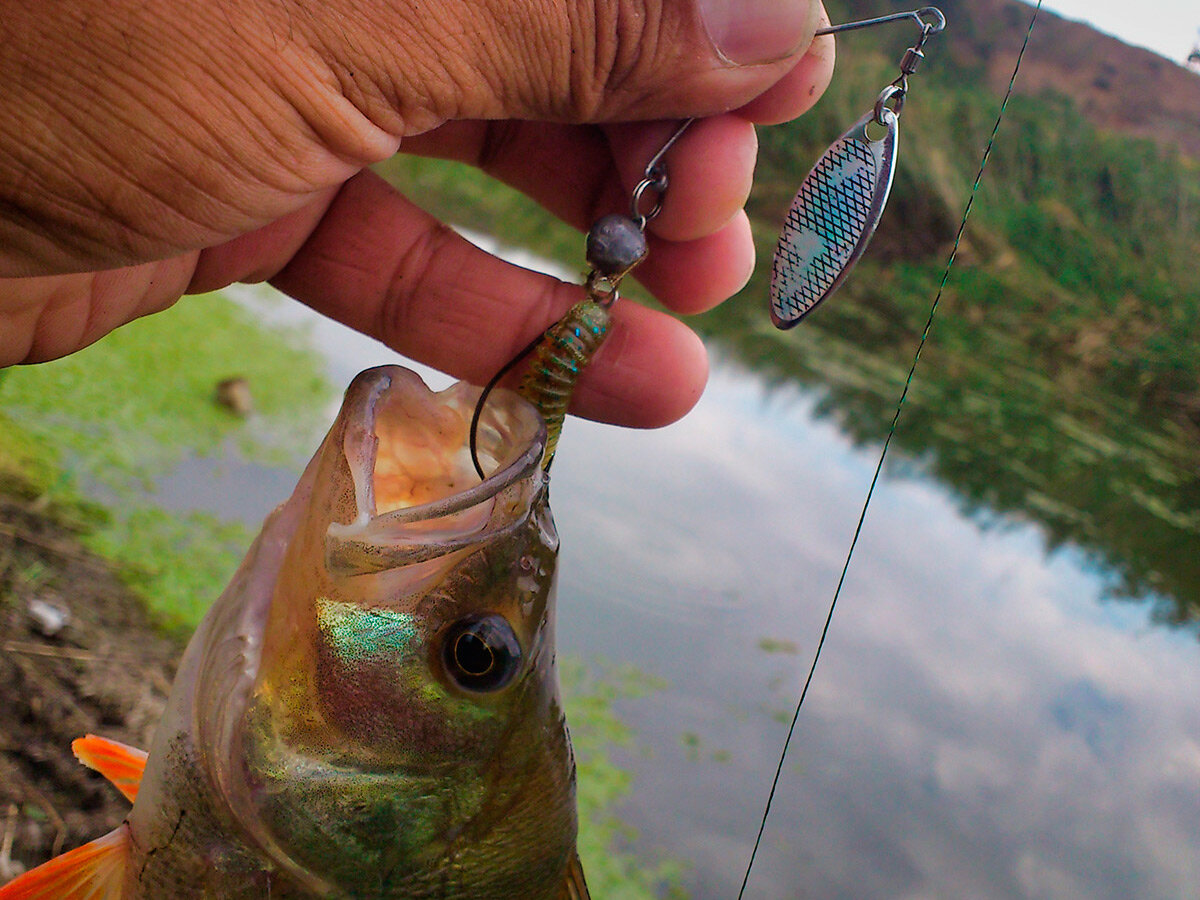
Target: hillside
1062,382
1117,87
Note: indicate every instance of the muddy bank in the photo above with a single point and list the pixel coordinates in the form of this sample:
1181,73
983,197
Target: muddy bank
78,654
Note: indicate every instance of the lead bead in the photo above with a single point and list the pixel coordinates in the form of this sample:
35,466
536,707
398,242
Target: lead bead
615,245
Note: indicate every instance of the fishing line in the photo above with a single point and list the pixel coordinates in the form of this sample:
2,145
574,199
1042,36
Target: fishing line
887,443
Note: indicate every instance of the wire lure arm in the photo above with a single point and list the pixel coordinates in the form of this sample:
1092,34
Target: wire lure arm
930,19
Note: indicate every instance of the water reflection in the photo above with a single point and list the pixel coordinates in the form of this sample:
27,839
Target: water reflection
247,491
983,724
1094,468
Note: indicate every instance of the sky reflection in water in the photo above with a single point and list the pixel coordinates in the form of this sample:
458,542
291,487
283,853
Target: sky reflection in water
982,724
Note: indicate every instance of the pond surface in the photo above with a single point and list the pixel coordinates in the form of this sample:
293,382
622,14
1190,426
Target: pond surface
983,724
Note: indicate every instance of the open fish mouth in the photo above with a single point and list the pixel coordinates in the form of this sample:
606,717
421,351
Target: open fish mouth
416,491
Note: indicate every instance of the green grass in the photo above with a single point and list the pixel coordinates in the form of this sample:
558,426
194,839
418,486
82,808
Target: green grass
106,422
131,406
25,466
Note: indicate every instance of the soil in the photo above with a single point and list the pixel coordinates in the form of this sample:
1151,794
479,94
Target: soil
106,671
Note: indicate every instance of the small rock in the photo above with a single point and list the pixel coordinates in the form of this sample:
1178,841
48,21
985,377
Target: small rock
48,618
234,395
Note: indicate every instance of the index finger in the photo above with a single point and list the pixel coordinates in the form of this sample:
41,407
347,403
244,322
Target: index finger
381,265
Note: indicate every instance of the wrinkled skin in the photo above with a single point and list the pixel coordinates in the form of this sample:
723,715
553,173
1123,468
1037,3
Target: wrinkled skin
316,743
150,148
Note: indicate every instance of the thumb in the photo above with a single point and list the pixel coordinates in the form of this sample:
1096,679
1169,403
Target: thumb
562,60
138,129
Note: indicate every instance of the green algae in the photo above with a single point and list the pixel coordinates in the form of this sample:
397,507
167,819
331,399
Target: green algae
591,692
94,430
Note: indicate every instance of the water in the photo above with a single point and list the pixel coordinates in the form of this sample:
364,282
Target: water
984,723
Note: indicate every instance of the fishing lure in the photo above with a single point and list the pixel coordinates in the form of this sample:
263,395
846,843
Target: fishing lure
839,203
828,227
616,244
560,356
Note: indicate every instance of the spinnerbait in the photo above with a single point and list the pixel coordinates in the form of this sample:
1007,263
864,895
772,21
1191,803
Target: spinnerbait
827,229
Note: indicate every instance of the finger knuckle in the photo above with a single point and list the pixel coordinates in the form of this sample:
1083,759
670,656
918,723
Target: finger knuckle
615,46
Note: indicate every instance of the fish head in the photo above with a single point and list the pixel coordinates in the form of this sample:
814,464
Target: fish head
403,736
412,610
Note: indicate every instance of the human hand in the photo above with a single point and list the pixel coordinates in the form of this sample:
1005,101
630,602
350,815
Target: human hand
150,148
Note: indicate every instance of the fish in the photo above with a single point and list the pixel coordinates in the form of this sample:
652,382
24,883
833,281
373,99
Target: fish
370,709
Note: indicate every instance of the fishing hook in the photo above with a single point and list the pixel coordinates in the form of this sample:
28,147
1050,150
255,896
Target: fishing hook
616,244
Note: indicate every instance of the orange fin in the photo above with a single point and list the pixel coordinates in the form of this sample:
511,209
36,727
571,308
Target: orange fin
95,871
119,763
573,888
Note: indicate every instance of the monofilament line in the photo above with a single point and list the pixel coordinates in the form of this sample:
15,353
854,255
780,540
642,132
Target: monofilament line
887,443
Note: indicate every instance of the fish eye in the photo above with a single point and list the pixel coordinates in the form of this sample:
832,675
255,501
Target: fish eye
481,653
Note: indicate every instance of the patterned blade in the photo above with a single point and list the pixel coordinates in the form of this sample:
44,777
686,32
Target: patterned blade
832,218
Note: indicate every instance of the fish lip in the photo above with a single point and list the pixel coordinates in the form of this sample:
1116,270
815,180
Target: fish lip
378,542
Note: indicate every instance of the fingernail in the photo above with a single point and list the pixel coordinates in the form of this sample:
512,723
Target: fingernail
749,32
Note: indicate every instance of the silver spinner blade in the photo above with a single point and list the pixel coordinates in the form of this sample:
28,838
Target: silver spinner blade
832,218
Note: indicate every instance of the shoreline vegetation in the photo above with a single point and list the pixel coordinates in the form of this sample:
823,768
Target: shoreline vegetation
1061,383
